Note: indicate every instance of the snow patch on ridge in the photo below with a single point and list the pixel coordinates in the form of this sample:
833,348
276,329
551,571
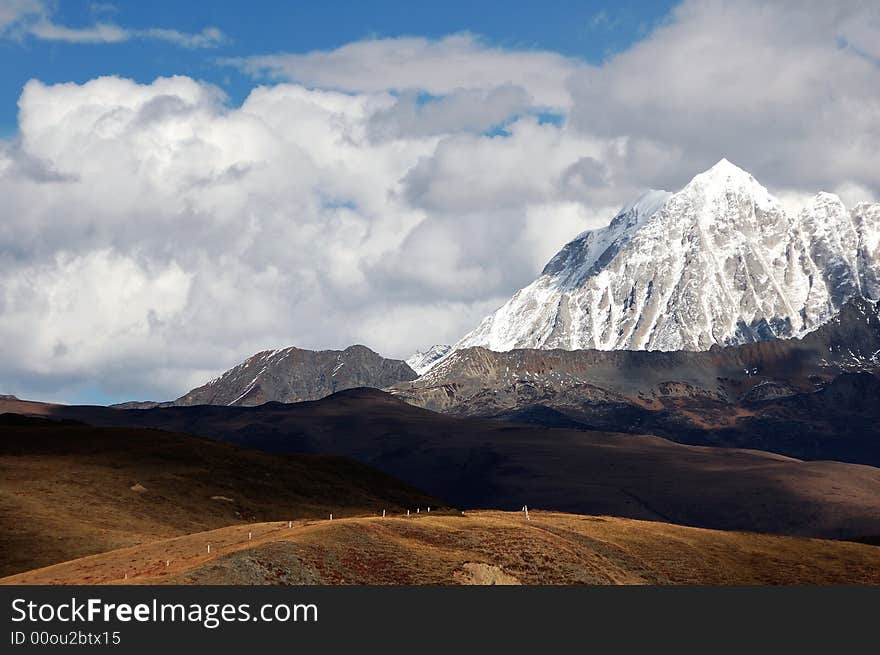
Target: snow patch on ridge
422,362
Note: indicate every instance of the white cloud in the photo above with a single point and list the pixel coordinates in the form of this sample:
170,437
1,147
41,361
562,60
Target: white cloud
19,18
469,173
209,37
784,89
152,235
460,61
97,33
859,30
14,11
284,221
466,110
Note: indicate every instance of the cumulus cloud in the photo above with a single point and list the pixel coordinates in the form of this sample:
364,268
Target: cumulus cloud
785,89
390,192
221,231
466,173
34,18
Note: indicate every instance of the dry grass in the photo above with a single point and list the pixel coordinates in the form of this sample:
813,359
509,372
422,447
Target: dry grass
70,491
481,547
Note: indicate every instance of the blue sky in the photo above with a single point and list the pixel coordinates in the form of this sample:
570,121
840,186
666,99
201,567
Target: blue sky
588,30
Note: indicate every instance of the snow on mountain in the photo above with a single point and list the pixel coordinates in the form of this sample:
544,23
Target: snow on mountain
719,262
422,362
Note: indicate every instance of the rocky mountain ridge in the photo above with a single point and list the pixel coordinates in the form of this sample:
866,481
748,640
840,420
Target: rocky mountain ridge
290,375
812,397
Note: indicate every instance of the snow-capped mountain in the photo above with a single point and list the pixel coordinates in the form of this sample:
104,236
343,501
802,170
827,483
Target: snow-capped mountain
422,362
719,262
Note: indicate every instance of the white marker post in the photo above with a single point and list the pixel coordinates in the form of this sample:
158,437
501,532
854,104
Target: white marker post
383,513
249,536
167,563
407,512
209,548
125,577
429,509
331,517
526,508
290,524
417,510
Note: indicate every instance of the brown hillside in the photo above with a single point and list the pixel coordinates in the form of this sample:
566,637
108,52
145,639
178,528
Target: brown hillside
483,547
73,490
480,463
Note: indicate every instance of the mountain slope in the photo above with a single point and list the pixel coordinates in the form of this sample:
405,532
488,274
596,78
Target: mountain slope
68,489
719,262
735,396
473,463
848,341
292,375
481,547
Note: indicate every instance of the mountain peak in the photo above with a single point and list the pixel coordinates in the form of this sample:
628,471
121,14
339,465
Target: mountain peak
724,172
293,375
727,167
716,183
824,198
718,262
